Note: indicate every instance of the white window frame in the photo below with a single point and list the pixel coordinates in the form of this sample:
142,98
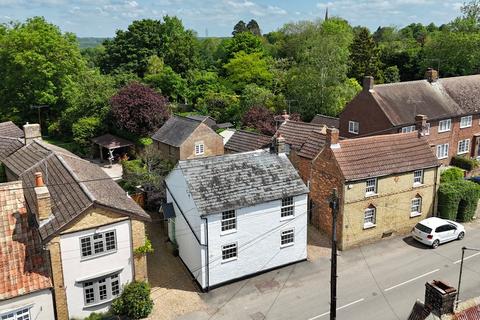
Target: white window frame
92,241
229,257
463,146
287,238
353,127
112,289
427,129
369,217
444,125
229,222
371,187
466,122
418,177
287,210
17,314
408,129
199,148
416,207
442,151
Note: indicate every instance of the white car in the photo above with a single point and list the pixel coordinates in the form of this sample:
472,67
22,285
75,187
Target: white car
434,231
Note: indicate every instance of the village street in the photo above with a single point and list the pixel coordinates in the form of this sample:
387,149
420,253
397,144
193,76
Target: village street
378,281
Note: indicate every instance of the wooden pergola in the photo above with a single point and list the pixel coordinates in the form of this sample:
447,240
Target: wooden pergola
110,142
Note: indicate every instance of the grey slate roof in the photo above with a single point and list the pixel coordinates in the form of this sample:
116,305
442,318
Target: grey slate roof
8,146
75,185
240,180
9,129
110,141
176,130
444,98
209,121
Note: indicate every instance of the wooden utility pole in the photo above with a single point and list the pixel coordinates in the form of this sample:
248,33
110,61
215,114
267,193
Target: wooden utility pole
333,268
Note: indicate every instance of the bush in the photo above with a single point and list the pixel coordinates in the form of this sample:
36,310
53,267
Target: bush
84,130
464,163
145,141
470,192
451,174
448,201
458,200
134,302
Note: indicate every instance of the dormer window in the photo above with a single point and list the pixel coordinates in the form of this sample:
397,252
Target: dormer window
199,148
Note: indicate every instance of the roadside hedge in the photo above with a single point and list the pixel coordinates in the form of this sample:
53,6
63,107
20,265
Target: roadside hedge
464,163
451,174
448,200
470,192
457,200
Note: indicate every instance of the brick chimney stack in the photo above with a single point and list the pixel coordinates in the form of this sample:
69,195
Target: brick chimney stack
421,124
44,206
32,132
431,75
279,146
285,116
439,297
368,83
332,138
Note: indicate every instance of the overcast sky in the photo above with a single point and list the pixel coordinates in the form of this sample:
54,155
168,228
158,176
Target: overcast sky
100,18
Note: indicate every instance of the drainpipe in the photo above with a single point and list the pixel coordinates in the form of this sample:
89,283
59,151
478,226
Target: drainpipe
435,205
207,260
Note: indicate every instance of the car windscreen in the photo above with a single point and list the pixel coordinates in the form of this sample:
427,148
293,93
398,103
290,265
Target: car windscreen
423,228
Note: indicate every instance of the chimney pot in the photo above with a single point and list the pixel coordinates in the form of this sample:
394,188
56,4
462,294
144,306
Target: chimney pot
431,75
332,137
44,206
279,144
368,83
39,179
32,132
421,124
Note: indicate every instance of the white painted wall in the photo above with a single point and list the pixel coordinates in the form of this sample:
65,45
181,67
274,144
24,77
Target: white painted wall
75,268
227,134
190,250
258,238
41,303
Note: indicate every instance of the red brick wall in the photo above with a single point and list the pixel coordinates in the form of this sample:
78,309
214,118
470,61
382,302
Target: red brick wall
303,166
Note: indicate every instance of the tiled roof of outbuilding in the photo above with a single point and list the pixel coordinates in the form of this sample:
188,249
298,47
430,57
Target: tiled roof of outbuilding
297,132
9,129
313,145
74,184
383,155
23,264
176,130
330,122
242,141
240,180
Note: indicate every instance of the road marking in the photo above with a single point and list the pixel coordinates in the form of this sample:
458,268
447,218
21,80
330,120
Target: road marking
413,279
466,258
339,308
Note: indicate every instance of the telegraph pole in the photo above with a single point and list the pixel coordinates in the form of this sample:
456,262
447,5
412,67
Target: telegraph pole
333,269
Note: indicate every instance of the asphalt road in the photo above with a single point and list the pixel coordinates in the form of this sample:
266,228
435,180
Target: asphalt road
378,281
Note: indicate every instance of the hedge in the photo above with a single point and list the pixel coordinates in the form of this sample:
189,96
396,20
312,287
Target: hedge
458,200
452,174
468,204
448,201
464,163
134,302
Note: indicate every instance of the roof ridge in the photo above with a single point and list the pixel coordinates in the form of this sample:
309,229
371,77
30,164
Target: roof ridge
325,116
253,132
84,188
186,118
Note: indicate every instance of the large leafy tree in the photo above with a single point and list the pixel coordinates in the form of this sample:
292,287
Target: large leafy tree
246,68
37,63
130,50
260,119
244,41
254,28
364,56
239,28
139,110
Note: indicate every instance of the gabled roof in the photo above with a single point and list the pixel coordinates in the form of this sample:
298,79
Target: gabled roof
297,132
9,129
8,146
444,98
110,141
209,121
23,263
328,121
176,130
75,185
239,180
242,141
383,155
313,145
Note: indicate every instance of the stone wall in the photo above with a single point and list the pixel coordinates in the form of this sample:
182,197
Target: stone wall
213,143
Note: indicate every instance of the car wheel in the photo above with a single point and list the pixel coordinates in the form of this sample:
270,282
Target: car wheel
461,235
435,244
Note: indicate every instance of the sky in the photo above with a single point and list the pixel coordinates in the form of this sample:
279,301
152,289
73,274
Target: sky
101,18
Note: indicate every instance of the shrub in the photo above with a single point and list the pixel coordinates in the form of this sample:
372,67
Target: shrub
458,200
470,193
134,302
146,248
464,163
54,129
451,174
84,130
145,141
448,201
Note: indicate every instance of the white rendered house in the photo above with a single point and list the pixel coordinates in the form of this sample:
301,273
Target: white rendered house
237,215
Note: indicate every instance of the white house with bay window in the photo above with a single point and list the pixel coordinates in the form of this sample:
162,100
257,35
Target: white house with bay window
237,215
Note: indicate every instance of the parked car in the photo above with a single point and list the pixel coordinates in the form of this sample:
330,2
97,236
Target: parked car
434,231
475,179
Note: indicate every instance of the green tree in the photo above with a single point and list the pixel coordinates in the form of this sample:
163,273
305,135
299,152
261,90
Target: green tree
239,28
223,106
253,95
93,56
84,129
170,84
391,74
364,56
244,41
254,28
246,68
37,62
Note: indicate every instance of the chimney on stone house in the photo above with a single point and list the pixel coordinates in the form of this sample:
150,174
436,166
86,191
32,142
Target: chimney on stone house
431,75
42,195
421,124
439,297
279,146
32,132
368,83
332,138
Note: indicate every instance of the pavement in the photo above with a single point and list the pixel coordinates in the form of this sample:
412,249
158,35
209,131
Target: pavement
378,281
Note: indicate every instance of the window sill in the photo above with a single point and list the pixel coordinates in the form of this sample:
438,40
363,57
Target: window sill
370,194
96,304
465,127
418,184
441,158
464,152
415,214
369,226
94,256
227,232
229,260
287,218
287,245
443,131
353,132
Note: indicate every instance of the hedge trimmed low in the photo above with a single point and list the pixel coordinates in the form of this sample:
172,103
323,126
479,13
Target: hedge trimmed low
464,163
